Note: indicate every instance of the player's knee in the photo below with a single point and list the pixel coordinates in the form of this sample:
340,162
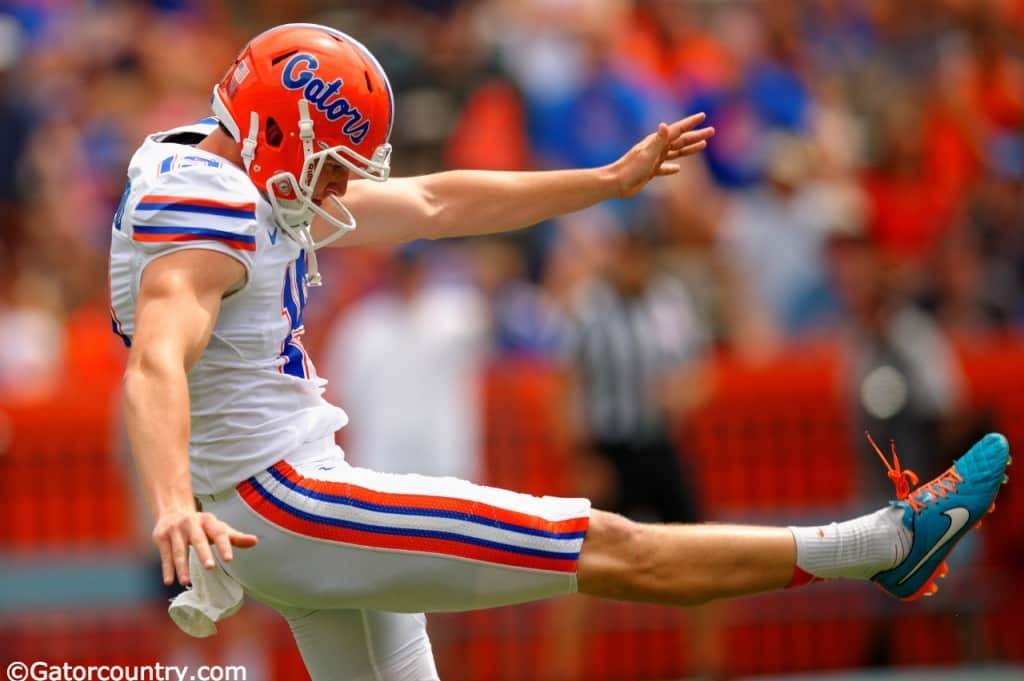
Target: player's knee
611,529
608,541
612,559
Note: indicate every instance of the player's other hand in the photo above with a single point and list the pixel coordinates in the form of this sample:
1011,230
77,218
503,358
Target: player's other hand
654,154
176,530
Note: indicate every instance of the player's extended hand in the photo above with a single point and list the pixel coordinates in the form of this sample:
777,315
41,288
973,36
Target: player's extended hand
652,156
176,530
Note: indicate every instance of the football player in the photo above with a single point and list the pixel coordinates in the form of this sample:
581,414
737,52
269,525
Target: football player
213,251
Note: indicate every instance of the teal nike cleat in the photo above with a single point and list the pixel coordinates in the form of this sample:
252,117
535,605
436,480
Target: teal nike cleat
941,512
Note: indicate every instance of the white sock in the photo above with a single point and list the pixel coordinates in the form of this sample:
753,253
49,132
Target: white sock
854,549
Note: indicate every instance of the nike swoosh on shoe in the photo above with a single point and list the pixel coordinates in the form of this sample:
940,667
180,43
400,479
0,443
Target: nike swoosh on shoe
958,517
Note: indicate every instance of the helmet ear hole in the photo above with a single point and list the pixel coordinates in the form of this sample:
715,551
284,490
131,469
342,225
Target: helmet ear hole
273,133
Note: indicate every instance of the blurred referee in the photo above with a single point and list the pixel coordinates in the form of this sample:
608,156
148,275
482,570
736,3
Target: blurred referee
634,337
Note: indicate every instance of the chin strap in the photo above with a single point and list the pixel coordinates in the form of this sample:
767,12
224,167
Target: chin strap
306,136
305,133
313,277
249,144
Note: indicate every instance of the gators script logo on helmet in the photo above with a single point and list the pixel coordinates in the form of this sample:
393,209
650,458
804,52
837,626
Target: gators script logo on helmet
300,74
297,96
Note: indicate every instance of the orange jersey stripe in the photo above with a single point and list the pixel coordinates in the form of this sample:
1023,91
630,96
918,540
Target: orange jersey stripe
190,201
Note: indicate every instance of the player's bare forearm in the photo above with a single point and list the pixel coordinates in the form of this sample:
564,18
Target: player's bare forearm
470,202
156,411
467,202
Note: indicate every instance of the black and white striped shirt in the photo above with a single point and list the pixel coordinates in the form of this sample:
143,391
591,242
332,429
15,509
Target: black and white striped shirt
624,346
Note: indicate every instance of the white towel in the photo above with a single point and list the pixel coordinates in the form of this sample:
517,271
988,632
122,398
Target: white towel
214,595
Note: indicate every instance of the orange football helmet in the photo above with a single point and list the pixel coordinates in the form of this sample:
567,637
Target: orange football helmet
296,96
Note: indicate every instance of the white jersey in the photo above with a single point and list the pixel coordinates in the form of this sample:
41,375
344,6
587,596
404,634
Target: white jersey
255,394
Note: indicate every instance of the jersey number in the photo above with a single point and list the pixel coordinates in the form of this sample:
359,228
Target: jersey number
293,300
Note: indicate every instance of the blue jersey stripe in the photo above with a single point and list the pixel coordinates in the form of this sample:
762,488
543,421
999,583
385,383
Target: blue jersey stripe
117,329
300,282
204,210
408,532
427,512
292,351
198,231
293,366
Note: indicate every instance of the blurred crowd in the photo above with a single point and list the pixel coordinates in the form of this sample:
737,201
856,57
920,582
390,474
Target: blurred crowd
864,191
866,184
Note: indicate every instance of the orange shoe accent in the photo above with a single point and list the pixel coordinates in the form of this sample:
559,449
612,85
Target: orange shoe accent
904,479
930,587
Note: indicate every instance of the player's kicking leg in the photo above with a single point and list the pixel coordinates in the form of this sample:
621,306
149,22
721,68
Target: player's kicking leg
332,536
336,539
902,547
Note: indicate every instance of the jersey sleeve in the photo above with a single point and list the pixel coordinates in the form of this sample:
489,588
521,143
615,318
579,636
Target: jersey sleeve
204,205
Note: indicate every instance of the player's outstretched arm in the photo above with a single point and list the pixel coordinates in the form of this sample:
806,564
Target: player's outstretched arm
467,202
178,303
